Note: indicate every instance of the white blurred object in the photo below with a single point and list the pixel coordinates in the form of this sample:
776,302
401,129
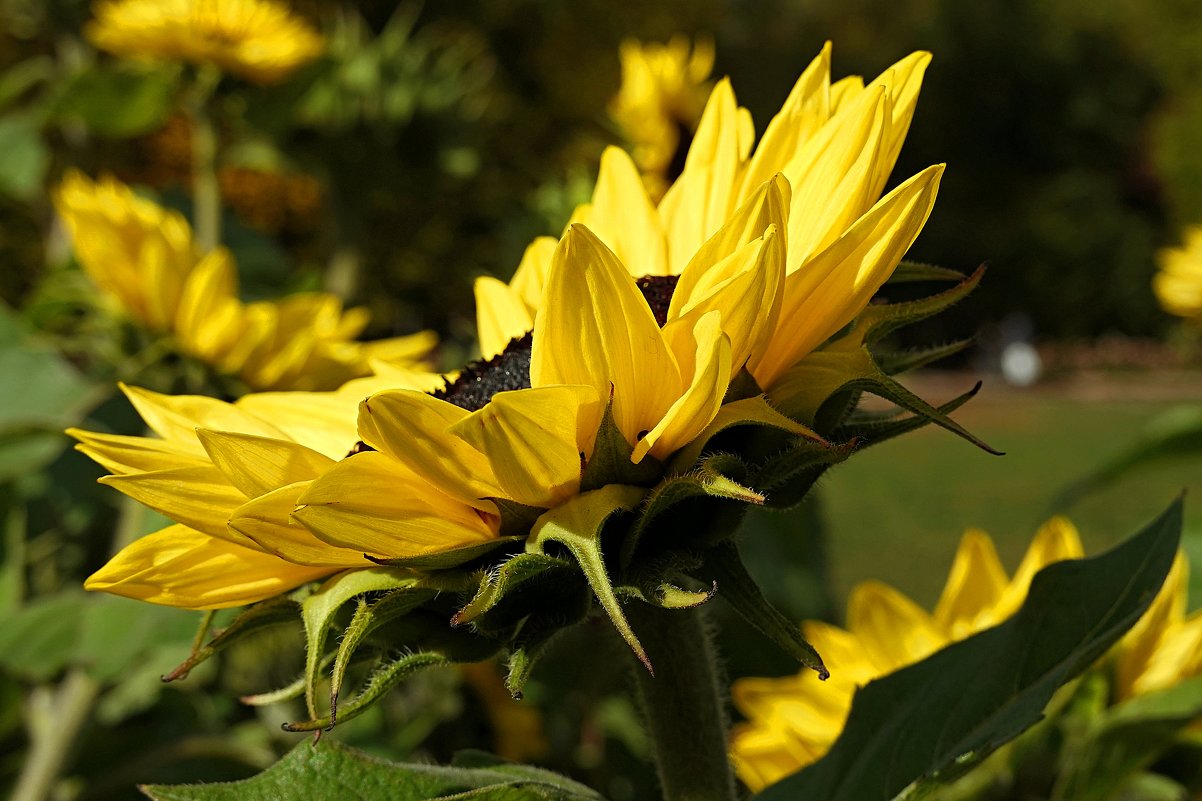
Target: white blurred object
1021,365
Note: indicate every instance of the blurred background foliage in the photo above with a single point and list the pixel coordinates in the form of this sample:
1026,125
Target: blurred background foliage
428,146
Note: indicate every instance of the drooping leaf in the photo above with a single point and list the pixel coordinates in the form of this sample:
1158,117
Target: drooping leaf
326,769
117,102
975,695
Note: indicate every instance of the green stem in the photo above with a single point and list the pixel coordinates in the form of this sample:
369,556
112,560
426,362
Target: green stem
56,719
206,193
684,704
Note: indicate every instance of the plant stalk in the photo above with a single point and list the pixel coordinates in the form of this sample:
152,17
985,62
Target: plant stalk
684,704
206,192
55,720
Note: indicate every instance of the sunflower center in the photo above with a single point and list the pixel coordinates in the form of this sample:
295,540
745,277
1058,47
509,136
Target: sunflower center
510,369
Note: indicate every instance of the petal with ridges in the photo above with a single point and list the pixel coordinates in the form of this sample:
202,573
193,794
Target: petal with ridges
904,80
197,497
178,566
500,315
373,503
124,454
694,410
622,215
595,329
176,417
414,429
267,521
258,465
532,438
829,291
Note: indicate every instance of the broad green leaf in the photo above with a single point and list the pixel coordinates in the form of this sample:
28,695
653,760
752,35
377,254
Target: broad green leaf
325,770
119,101
1129,738
40,640
973,696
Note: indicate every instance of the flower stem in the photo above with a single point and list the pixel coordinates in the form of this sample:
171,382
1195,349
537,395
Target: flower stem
56,718
206,193
684,704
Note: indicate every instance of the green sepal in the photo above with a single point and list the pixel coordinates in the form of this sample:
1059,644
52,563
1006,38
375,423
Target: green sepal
818,389
742,387
722,476
755,411
368,617
667,595
381,681
610,462
882,319
271,612
535,635
912,271
578,525
788,476
516,518
294,689
319,609
895,362
724,567
872,429
444,560
499,602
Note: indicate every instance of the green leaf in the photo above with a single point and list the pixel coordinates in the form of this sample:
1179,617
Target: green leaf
40,639
119,101
968,699
325,770
1129,737
23,157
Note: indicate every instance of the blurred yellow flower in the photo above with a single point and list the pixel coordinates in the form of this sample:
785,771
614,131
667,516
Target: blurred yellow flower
143,258
1165,646
792,721
260,40
1178,285
663,91
228,475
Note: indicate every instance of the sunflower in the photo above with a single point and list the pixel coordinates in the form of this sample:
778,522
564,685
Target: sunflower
232,542
829,153
143,259
1165,646
259,40
793,721
1178,285
663,91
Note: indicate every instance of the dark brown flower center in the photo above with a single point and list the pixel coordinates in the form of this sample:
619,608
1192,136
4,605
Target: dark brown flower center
510,369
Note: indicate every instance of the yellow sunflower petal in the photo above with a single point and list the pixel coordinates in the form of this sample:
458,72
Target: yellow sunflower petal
258,465
622,215
267,521
844,90
531,275
176,417
974,585
893,630
748,301
197,497
347,508
803,113
532,438
500,315
123,454
1138,648
699,201
1056,541
694,410
322,421
595,329
904,80
414,429
178,566
209,319
832,174
830,290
